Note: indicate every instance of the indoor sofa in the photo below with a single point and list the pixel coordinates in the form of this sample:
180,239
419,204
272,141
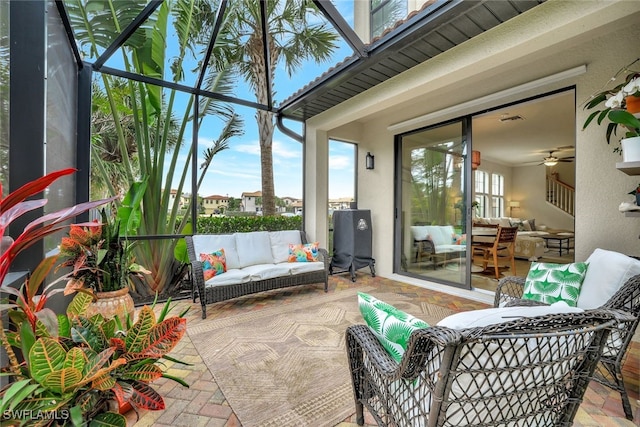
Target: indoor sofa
253,262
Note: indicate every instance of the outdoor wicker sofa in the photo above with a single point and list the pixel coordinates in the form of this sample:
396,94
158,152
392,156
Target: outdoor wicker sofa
529,371
256,261
626,298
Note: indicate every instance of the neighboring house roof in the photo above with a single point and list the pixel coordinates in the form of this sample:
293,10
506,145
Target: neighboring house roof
216,197
254,194
424,34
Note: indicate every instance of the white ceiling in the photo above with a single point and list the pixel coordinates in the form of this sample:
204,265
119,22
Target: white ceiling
549,124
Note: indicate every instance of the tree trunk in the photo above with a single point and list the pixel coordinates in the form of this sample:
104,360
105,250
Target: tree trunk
265,126
265,123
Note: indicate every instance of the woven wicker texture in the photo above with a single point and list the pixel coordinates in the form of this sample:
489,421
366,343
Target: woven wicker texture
530,371
609,371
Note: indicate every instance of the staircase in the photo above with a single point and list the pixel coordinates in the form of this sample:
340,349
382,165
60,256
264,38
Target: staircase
560,195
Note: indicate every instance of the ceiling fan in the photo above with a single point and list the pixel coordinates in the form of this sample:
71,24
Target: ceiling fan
552,160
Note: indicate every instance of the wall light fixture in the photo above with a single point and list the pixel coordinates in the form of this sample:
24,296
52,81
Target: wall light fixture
370,161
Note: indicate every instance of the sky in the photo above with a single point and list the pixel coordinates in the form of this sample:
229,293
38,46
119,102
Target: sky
237,169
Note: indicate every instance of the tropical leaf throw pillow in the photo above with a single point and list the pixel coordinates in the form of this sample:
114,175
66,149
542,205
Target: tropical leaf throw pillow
391,326
551,283
213,264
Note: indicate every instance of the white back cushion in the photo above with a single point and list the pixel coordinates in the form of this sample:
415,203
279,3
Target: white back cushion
607,272
447,233
280,241
207,243
438,235
419,232
254,248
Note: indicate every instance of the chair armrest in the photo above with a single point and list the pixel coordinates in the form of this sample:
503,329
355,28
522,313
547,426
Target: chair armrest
519,302
360,339
509,288
323,255
426,246
621,316
421,343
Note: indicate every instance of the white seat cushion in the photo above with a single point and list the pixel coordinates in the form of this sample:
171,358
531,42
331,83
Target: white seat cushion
267,271
208,243
254,248
280,241
607,272
492,316
304,267
441,249
230,277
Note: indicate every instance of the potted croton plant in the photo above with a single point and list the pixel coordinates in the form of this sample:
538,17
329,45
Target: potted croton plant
621,106
80,370
101,257
66,368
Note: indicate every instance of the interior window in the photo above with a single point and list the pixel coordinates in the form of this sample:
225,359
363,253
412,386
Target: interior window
481,193
497,195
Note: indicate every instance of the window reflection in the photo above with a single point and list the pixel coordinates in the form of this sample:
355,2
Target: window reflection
433,236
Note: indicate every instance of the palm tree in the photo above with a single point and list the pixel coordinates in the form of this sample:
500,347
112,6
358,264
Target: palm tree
145,122
292,37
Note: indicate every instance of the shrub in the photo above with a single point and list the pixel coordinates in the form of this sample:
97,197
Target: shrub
237,224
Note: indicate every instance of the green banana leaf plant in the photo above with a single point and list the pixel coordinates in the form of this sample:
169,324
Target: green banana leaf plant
152,143
70,375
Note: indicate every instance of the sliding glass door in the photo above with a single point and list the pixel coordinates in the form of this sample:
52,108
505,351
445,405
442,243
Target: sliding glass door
433,167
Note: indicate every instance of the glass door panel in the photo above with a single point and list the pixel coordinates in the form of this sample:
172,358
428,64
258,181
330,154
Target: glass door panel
433,167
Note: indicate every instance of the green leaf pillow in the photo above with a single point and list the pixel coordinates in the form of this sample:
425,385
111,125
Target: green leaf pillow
551,283
391,326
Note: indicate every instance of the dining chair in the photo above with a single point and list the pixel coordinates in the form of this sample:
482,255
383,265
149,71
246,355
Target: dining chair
505,241
482,237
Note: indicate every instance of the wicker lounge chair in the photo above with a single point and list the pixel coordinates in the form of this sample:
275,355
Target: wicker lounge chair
529,371
627,299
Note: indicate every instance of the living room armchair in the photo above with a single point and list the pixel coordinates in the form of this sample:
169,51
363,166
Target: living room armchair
528,371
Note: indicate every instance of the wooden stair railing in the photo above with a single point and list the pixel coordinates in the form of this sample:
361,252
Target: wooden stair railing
560,195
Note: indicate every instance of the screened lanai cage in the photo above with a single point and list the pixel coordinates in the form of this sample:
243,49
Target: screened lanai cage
157,91
150,93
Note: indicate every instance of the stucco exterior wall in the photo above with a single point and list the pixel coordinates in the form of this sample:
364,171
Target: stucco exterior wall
551,38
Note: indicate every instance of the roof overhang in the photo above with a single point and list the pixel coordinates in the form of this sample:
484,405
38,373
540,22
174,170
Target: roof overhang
438,27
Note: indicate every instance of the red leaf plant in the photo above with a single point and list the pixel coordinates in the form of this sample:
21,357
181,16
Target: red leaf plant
16,205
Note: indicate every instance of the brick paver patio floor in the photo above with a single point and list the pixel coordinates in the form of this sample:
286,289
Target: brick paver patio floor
204,404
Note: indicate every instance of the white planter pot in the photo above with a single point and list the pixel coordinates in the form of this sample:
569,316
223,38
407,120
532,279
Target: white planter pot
631,149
